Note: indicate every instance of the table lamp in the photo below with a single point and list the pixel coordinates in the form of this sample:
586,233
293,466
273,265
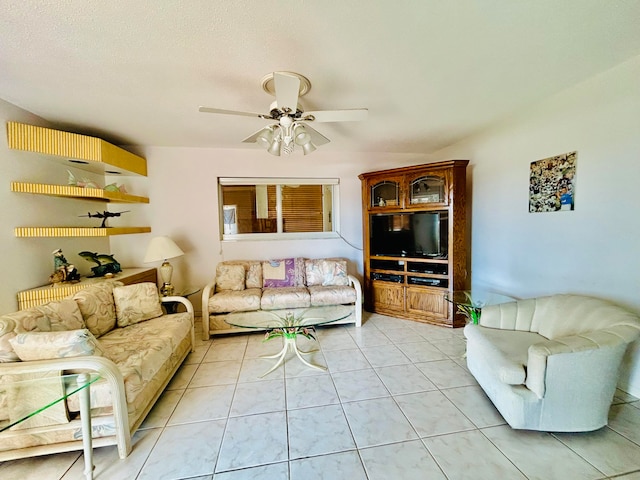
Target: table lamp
163,248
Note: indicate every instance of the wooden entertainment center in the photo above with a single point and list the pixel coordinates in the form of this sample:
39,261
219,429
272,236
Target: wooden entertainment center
415,241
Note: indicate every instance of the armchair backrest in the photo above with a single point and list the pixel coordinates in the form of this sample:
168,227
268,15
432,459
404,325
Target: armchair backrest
558,316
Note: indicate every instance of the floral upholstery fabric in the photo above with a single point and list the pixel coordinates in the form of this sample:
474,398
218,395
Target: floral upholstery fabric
48,345
284,297
254,275
51,317
136,303
334,295
230,277
145,353
235,301
326,272
96,305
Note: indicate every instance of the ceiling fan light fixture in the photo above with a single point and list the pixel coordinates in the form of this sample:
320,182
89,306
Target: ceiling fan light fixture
265,137
274,147
300,135
308,148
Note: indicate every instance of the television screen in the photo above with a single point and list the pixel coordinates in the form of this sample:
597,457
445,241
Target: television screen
409,234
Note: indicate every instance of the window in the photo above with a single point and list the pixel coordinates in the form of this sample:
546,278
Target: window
266,208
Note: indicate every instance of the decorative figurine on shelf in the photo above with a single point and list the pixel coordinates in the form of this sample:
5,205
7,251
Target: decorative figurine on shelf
86,183
107,265
82,183
104,215
63,271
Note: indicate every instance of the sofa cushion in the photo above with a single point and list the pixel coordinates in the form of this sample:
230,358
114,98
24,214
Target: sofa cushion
334,295
235,301
53,316
48,345
145,353
326,272
284,297
136,303
97,307
230,277
505,350
25,393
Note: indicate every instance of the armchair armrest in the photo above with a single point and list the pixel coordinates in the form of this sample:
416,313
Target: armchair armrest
583,352
107,370
353,281
207,292
189,306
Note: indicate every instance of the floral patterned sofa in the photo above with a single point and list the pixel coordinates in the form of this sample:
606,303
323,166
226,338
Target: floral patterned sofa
118,331
277,285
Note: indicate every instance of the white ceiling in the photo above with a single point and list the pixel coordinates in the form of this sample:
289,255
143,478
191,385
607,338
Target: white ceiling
430,71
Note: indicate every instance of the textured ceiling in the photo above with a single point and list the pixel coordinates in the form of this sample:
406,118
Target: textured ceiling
430,71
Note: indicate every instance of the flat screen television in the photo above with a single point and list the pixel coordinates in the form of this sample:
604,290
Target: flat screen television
420,234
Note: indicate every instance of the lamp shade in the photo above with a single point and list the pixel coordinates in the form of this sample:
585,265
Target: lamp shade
162,248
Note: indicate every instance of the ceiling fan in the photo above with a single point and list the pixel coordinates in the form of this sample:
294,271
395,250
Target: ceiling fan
292,121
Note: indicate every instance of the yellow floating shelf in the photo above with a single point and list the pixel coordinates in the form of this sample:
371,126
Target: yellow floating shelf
81,151
34,232
76,192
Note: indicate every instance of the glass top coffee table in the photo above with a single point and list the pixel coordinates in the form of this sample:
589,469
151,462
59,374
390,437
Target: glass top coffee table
34,398
470,302
288,324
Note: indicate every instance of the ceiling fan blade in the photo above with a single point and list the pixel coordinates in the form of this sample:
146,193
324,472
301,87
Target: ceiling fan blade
352,115
232,112
316,137
287,88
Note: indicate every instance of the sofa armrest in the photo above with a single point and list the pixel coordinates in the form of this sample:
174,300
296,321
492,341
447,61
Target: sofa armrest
107,370
189,306
547,359
207,293
355,283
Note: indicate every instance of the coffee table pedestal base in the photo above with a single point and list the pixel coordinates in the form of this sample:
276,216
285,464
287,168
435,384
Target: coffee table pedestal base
290,345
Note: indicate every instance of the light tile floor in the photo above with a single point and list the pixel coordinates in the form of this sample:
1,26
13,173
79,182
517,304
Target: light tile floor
396,403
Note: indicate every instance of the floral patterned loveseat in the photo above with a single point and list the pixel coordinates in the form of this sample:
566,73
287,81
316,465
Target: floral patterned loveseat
277,286
119,331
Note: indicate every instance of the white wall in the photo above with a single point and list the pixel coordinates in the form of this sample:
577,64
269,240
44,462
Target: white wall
182,186
593,250
28,262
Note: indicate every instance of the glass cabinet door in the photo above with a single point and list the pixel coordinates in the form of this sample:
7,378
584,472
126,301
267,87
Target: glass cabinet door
385,193
428,189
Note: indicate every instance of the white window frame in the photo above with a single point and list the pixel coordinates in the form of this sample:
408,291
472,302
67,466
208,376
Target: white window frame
335,208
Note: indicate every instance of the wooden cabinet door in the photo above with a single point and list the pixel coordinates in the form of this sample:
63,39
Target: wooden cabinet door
427,301
385,193
426,190
387,296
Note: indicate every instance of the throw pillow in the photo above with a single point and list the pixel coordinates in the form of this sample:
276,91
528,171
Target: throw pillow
326,272
230,277
279,273
136,303
47,345
96,305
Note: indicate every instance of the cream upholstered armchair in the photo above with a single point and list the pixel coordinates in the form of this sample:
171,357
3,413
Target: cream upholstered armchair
551,363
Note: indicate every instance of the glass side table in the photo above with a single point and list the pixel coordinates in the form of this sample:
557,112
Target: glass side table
30,397
172,307
471,302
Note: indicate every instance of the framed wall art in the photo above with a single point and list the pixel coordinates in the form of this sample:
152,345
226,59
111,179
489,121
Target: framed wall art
552,183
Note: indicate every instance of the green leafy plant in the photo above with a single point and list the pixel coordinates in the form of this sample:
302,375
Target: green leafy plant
290,327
